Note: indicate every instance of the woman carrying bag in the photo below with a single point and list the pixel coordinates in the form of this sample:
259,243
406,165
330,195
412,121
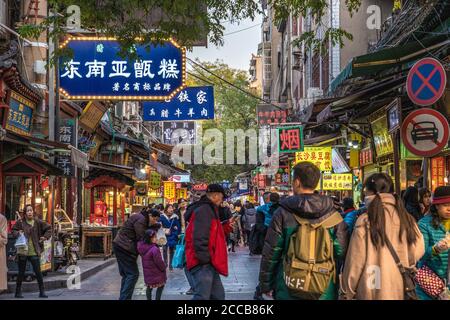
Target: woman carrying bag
172,228
433,276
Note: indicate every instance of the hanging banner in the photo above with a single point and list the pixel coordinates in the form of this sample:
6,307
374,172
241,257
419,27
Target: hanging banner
320,156
20,114
191,103
97,71
337,182
154,180
290,139
66,135
365,157
182,193
92,114
179,132
169,190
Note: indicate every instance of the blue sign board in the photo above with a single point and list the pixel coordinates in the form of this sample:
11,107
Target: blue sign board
96,71
192,103
20,114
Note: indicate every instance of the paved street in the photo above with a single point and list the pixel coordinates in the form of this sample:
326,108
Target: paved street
105,285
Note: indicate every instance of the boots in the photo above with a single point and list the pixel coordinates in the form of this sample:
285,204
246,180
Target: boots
42,292
18,294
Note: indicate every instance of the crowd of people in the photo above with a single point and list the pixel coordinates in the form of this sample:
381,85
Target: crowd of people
312,246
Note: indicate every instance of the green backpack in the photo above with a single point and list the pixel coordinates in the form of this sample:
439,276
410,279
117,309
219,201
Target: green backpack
309,263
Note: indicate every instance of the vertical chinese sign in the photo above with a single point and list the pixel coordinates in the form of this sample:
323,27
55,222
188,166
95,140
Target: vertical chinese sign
66,135
290,139
20,114
320,156
437,172
169,190
282,176
154,180
96,71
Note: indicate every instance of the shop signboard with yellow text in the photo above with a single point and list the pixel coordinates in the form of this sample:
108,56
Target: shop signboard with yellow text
320,156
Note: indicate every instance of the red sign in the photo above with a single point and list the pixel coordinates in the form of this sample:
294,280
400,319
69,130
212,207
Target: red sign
426,82
261,181
425,132
269,114
437,172
282,176
365,157
290,139
200,187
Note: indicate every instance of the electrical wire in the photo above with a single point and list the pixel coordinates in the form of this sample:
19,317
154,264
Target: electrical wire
237,31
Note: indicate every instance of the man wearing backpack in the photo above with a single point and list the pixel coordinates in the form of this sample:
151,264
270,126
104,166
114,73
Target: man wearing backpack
305,238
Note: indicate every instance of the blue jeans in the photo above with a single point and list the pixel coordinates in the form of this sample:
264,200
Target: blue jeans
207,283
129,272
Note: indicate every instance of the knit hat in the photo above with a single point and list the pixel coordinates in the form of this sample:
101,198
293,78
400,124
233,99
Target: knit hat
441,195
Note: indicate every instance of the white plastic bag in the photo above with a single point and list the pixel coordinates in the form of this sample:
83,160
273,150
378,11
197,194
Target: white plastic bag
161,237
21,244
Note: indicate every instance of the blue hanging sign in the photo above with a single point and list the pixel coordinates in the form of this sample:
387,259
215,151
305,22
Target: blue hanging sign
20,114
97,72
192,103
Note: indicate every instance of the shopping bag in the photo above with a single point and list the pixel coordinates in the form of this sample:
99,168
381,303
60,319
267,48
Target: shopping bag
179,258
161,237
21,244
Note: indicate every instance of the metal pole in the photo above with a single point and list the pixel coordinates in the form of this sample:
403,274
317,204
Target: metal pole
425,173
395,138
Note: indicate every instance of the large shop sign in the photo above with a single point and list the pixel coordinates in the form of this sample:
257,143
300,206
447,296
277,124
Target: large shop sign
337,182
290,139
270,114
66,135
192,103
20,114
97,71
320,156
179,132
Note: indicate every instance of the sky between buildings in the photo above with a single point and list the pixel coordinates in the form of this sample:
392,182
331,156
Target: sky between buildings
238,47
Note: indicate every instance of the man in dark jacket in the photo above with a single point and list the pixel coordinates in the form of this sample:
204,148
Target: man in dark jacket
206,250
307,205
125,248
36,231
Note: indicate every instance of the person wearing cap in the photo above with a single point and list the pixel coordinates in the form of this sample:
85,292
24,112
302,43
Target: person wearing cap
436,233
204,232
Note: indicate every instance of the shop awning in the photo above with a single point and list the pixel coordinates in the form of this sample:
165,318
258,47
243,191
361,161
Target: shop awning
378,61
24,164
167,170
111,167
107,178
29,140
323,139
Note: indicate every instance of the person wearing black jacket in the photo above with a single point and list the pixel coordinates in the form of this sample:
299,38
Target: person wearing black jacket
125,248
411,200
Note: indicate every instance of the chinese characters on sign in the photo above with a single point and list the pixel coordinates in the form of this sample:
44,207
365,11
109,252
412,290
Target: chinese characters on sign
381,137
179,132
20,114
169,190
96,71
320,156
282,176
437,172
365,157
290,139
269,114
182,193
337,182
66,135
154,180
200,187
192,103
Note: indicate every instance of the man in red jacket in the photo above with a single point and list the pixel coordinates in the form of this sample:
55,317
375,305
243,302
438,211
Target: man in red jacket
206,249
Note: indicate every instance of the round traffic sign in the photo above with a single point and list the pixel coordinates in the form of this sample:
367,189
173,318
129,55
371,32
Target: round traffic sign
425,132
426,82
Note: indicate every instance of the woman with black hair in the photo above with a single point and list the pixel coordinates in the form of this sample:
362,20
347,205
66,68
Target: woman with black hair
436,233
125,248
386,224
425,201
411,200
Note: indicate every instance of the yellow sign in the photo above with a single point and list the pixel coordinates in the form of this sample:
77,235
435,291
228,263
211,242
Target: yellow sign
182,193
169,190
337,182
381,137
320,156
91,116
154,180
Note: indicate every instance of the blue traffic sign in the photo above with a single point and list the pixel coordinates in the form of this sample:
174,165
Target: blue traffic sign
191,103
426,82
96,71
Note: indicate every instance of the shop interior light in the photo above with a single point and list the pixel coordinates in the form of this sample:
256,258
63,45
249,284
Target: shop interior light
111,193
143,170
446,180
38,200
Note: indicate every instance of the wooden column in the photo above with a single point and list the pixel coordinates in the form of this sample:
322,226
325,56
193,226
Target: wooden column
115,207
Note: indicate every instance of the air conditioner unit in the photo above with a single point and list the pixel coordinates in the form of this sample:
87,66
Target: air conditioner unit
39,67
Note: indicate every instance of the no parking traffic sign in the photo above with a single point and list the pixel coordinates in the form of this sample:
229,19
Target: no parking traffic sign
426,82
425,132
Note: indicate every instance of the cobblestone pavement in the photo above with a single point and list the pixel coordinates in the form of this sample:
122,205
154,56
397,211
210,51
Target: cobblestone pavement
105,285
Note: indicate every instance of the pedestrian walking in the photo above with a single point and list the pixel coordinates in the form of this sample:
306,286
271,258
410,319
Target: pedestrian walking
248,221
385,234
125,248
265,209
172,229
411,201
153,265
3,243
425,201
36,232
206,249
258,233
302,244
235,234
435,229
183,210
